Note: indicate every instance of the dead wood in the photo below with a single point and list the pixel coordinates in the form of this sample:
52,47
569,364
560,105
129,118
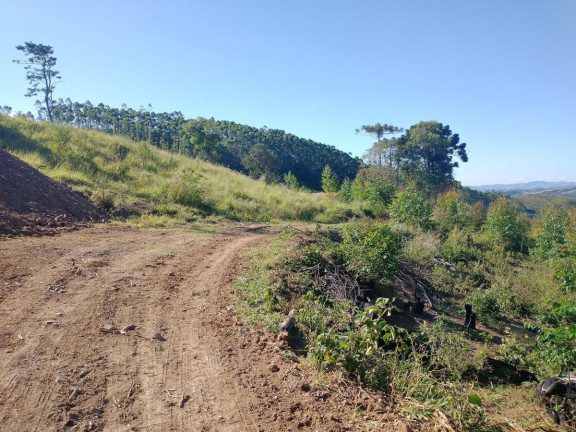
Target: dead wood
409,281
339,285
254,229
286,326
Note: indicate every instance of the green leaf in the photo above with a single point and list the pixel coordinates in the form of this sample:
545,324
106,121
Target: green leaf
474,399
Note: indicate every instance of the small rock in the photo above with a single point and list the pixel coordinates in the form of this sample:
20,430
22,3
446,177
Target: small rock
21,337
84,373
159,337
273,368
50,322
59,380
108,328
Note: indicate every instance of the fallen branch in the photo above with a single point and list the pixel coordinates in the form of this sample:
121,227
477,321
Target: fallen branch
253,229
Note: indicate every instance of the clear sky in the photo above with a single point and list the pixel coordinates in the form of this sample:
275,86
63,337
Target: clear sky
502,74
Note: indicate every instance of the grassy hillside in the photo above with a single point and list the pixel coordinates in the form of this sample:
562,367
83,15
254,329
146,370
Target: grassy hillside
130,177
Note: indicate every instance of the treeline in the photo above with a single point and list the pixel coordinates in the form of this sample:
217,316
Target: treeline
268,153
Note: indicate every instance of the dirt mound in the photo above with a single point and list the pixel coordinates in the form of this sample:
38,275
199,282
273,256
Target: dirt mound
31,203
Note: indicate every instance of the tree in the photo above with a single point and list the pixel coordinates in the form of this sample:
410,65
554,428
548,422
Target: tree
382,148
452,211
426,155
261,163
291,181
205,142
39,64
505,225
411,206
373,187
551,233
329,180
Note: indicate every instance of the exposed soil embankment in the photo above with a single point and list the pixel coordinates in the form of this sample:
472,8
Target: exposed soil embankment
32,203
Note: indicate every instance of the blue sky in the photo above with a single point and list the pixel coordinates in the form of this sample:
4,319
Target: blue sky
500,73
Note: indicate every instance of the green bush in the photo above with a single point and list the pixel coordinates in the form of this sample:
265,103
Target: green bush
459,246
505,225
451,211
370,251
551,233
411,206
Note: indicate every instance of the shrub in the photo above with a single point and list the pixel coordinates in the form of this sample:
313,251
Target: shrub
506,226
411,206
550,235
373,187
459,246
451,211
104,200
185,190
370,251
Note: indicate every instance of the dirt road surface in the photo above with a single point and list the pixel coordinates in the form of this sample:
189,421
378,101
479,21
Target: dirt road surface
183,361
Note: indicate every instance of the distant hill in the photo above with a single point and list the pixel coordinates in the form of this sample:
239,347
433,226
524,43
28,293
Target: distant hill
218,141
134,178
543,185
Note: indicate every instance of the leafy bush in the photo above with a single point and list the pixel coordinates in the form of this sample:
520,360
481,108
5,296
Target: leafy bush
506,226
411,206
356,350
459,246
451,211
486,304
551,232
370,251
374,188
557,341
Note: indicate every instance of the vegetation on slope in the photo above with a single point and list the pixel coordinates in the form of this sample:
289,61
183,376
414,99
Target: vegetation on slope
518,275
127,177
223,142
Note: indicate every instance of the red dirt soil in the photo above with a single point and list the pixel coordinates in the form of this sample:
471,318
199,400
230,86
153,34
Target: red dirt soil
32,203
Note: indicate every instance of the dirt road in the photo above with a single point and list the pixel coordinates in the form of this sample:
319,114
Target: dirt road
186,365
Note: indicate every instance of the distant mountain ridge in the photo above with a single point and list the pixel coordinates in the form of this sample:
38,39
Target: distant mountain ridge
523,186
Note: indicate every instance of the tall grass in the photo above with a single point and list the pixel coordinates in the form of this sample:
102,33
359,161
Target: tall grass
172,185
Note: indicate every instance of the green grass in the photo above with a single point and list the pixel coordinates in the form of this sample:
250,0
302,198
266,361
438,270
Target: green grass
172,187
